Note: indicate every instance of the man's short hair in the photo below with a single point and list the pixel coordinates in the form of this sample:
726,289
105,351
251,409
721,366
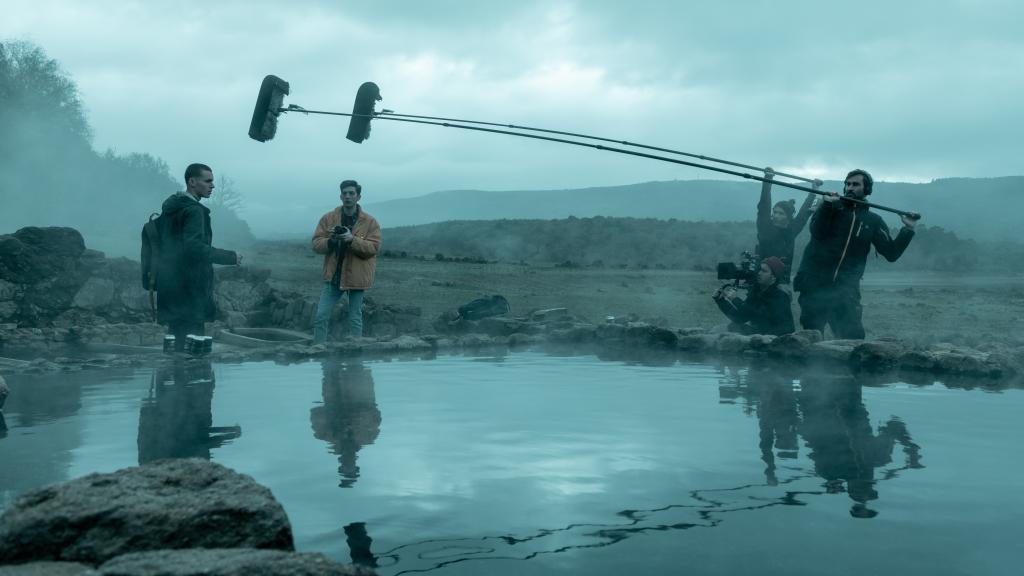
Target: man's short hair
195,170
869,182
351,184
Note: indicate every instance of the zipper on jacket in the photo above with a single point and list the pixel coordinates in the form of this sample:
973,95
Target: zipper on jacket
846,247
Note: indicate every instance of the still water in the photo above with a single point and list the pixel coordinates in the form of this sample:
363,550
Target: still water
535,464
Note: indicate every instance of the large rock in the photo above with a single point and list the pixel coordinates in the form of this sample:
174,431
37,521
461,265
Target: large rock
877,355
227,562
948,359
164,505
832,351
34,254
240,289
795,345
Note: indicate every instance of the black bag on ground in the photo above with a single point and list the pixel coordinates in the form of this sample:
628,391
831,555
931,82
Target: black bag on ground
484,307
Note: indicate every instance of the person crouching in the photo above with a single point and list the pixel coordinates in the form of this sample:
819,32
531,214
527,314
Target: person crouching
767,308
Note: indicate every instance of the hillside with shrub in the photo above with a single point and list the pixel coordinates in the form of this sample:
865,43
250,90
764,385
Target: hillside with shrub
669,244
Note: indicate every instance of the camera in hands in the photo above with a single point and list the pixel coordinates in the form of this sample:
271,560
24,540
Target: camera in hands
743,273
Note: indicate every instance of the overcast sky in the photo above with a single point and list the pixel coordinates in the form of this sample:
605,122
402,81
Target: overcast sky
911,90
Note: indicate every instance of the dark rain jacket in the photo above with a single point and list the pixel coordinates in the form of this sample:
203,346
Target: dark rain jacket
767,311
842,235
185,271
775,241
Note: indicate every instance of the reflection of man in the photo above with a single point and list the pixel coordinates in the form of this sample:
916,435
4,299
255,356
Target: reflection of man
767,309
349,418
3,398
359,544
842,234
4,391
777,418
176,421
843,446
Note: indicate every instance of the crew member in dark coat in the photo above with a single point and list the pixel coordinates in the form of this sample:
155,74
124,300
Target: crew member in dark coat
842,234
779,225
767,309
185,271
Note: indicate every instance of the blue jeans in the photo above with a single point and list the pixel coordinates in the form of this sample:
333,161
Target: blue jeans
329,296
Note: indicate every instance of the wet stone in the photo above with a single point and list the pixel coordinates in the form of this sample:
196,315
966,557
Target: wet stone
164,505
227,562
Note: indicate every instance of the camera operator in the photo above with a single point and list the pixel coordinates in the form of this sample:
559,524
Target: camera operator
349,239
767,309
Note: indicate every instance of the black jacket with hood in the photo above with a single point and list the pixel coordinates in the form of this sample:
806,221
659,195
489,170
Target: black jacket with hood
185,270
842,235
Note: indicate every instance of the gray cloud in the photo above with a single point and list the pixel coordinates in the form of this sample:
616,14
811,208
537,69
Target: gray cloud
913,90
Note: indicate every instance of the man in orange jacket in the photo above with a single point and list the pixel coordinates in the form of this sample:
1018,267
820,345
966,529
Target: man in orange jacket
349,238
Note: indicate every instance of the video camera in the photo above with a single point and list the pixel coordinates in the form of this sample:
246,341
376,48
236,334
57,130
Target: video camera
742,274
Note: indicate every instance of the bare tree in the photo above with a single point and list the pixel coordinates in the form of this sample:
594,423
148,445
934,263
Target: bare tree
226,195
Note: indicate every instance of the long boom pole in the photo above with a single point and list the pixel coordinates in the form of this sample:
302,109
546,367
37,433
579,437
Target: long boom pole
454,124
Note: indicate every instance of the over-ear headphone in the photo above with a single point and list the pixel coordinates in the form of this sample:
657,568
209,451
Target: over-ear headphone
869,182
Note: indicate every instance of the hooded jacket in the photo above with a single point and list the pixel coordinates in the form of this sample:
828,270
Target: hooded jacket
187,256
842,235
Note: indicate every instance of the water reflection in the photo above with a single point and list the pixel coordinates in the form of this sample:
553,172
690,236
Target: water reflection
176,419
349,418
359,544
777,420
30,459
843,453
829,413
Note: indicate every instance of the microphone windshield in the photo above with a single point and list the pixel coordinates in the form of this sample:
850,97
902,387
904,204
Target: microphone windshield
362,112
263,126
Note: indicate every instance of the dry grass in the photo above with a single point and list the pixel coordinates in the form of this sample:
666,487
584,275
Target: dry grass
962,310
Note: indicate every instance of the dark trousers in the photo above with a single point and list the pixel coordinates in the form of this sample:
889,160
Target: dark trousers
182,329
836,306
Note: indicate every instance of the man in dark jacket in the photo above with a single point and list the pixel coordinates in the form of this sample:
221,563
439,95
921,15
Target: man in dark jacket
185,269
767,309
842,234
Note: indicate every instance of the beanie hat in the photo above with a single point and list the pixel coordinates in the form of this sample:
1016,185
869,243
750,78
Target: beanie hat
787,206
774,263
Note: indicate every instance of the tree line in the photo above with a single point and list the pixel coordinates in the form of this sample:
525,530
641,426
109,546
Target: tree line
666,244
51,175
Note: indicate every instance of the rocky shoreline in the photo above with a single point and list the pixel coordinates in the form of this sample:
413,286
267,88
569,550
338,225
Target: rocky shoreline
800,349
66,308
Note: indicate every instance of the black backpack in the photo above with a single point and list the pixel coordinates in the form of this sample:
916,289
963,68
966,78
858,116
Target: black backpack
150,257
484,307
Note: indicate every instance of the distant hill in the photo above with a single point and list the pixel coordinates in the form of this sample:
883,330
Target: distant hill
979,208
